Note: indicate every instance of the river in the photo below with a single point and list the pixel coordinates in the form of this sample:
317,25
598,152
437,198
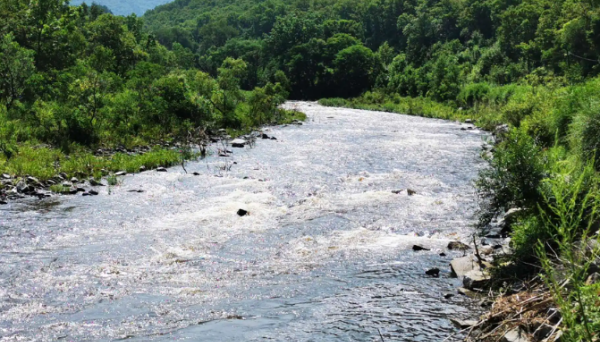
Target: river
325,253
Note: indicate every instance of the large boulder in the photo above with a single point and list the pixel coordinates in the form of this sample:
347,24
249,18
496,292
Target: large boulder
475,279
462,266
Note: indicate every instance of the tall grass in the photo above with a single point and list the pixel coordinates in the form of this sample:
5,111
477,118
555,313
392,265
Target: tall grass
567,256
45,163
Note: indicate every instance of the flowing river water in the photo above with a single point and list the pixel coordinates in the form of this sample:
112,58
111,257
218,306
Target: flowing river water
325,253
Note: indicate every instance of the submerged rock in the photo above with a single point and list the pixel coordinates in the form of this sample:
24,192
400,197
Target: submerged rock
463,324
434,272
468,293
417,248
196,173
93,192
242,212
411,192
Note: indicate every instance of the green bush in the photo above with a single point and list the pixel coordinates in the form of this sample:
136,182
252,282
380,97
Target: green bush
473,93
585,133
514,176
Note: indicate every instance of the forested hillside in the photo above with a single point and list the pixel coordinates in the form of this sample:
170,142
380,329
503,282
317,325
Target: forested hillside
416,47
119,7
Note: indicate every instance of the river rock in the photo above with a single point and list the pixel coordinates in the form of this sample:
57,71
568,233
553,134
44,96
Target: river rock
475,279
273,138
417,248
161,169
501,129
94,182
24,188
434,272
63,175
460,324
85,194
510,217
121,173
74,180
484,242
461,266
142,168
93,192
3,202
242,212
239,143
468,121
6,176
410,192
515,335
34,181
264,136
196,173
448,295
458,246
67,184
487,250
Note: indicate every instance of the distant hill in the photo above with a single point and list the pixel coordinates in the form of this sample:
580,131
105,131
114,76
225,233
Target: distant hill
125,7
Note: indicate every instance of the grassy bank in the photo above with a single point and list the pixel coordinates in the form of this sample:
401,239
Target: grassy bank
44,163
546,167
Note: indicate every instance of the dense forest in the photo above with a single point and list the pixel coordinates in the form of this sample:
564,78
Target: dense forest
137,7
415,47
78,78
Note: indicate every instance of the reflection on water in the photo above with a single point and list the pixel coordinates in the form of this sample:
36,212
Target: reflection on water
324,255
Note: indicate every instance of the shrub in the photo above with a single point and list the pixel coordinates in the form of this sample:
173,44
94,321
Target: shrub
473,93
513,178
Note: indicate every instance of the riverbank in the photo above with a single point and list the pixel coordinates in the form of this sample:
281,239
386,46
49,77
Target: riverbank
41,170
541,167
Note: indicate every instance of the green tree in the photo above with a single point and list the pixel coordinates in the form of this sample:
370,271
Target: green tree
16,68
